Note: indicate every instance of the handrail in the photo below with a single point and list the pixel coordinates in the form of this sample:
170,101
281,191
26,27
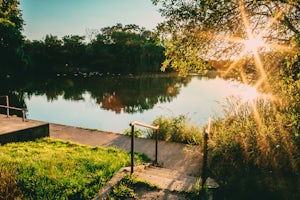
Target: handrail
10,107
136,123
14,108
144,125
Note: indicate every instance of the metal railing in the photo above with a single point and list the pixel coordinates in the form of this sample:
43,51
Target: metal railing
207,132
135,123
14,108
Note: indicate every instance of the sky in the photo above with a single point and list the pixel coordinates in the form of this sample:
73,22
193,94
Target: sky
76,17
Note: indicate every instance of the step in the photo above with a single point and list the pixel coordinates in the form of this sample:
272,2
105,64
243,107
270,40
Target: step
167,179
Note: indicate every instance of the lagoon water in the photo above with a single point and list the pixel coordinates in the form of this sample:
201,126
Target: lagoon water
110,103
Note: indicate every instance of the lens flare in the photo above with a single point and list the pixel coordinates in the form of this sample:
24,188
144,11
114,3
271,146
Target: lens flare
253,44
252,48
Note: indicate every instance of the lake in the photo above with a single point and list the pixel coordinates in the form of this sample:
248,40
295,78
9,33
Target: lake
111,102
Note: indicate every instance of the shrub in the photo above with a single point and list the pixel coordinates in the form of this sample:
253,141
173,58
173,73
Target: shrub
177,129
137,132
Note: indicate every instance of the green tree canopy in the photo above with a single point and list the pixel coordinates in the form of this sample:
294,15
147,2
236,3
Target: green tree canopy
11,39
199,30
127,48
115,49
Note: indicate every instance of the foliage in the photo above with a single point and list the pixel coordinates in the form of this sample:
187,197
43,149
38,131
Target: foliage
124,189
287,87
11,39
195,31
254,149
253,139
137,132
253,134
177,129
127,187
117,49
53,169
200,192
261,139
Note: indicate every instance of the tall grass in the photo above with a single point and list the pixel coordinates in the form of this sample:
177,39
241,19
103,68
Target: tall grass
53,169
252,152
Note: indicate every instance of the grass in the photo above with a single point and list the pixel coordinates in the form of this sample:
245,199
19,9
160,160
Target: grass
252,152
127,186
54,169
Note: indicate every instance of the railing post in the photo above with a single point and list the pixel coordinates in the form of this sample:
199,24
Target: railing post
156,147
132,148
14,108
23,115
204,163
132,124
7,106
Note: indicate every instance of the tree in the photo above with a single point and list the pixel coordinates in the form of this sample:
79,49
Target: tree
11,39
195,31
128,48
257,37
74,51
261,37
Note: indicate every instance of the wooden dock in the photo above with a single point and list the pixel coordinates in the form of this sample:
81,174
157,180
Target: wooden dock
14,129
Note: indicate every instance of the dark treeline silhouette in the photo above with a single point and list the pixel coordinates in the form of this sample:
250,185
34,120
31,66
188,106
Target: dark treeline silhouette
129,94
117,49
11,38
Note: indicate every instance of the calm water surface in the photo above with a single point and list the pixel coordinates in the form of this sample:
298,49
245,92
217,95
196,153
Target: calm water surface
111,103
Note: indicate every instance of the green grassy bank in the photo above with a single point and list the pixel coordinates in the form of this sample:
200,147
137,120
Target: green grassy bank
54,169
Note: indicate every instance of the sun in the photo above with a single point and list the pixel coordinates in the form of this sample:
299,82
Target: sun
253,44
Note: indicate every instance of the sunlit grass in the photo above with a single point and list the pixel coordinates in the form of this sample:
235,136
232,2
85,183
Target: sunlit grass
53,169
254,140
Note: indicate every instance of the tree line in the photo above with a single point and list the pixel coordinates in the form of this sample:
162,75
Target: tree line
119,48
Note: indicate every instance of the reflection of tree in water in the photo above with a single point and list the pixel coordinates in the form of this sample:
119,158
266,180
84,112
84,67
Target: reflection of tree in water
132,95
118,94
110,102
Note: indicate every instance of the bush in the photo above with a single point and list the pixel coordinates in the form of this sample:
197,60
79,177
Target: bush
137,132
177,129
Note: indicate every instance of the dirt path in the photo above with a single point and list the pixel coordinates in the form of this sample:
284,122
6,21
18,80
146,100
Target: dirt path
183,158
